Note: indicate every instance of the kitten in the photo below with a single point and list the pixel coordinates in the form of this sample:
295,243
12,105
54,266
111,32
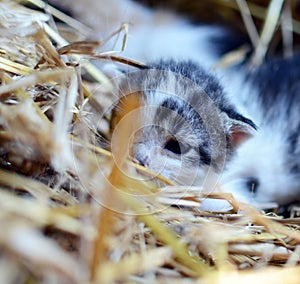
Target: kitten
192,128
188,129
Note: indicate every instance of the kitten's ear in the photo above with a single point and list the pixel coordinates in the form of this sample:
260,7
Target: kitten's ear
238,130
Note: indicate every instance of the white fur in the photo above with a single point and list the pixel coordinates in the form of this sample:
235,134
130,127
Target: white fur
152,34
261,157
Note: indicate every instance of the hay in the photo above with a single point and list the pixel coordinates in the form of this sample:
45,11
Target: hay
68,214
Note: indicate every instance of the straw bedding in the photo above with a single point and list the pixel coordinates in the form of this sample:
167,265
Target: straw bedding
69,213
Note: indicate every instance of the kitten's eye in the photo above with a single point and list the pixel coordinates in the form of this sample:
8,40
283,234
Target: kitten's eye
175,147
252,183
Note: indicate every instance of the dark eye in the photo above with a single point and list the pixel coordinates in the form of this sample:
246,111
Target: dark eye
175,147
252,184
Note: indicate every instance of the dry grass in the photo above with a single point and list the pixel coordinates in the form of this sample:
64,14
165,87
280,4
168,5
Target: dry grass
70,214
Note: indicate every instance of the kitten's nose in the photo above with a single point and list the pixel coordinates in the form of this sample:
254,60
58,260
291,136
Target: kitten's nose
143,161
144,155
140,155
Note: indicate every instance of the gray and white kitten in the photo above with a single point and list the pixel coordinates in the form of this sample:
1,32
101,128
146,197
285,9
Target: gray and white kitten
191,131
188,129
192,128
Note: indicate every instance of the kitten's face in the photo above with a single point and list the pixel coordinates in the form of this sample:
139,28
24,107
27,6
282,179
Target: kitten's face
172,139
168,144
181,132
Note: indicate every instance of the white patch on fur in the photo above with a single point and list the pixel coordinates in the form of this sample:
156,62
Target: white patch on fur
152,34
261,157
178,40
